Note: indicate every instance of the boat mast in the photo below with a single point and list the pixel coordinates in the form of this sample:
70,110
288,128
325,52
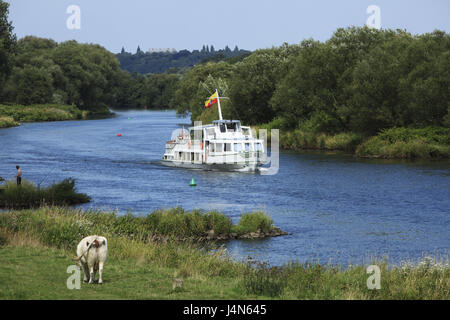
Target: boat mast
218,104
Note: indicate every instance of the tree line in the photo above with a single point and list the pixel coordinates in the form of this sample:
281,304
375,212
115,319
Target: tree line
41,71
360,80
160,62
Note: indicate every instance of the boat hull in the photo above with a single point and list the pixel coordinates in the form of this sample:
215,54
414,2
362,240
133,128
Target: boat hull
212,166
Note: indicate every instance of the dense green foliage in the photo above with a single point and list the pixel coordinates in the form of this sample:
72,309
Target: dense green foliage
152,90
46,72
48,112
28,195
160,62
6,121
198,84
7,44
252,222
38,71
361,80
429,142
335,94
322,95
29,238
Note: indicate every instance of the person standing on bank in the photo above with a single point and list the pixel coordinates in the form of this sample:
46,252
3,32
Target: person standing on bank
19,175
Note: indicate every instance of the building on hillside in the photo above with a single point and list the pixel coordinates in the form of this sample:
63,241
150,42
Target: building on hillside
161,50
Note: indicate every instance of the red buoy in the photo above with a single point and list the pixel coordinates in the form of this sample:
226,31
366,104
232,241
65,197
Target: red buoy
119,134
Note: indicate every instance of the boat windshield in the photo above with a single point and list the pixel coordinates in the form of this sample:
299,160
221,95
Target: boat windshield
232,127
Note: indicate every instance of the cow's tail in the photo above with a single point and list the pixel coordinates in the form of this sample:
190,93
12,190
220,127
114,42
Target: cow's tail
77,259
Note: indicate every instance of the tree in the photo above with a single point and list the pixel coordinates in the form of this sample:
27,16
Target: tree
191,94
254,82
7,44
33,85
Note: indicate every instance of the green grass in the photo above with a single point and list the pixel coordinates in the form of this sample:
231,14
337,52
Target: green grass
40,273
253,222
64,227
40,112
301,139
408,143
6,122
37,246
393,143
28,195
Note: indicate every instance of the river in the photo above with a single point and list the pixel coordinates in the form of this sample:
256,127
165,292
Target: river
339,209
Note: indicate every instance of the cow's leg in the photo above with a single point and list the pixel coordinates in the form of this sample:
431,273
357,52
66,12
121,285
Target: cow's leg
100,272
85,272
92,274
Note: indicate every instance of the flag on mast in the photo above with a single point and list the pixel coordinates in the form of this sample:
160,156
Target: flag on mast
212,100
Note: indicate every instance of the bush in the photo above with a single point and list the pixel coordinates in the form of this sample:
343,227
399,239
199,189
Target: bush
27,195
308,139
253,222
40,112
408,143
6,121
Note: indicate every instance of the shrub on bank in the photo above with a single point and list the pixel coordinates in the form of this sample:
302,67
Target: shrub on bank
6,121
40,112
408,143
253,222
55,226
28,195
304,139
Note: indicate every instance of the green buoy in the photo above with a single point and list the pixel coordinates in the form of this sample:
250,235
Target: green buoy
193,183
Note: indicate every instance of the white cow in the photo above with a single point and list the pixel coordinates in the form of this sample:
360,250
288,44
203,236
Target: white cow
92,252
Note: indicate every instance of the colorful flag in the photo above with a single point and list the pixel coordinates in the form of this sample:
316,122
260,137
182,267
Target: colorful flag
212,100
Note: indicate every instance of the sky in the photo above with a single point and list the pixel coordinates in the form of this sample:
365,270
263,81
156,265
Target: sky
190,24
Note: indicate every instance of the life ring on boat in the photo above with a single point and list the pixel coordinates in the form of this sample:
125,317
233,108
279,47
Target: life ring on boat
201,145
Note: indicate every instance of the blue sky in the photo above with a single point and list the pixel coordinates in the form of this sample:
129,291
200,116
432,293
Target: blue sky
189,24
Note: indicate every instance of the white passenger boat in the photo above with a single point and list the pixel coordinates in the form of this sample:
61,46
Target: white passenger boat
223,145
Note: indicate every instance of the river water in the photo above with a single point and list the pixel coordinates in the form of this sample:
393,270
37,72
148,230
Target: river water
339,209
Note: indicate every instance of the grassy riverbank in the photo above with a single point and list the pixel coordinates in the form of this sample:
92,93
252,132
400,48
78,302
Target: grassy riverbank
406,143
36,248
394,143
28,195
12,115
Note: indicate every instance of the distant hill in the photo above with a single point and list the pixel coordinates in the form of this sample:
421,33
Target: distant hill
159,62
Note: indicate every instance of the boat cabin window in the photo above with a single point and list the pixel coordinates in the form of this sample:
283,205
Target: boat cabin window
237,147
210,132
227,147
196,134
258,146
222,127
248,147
232,127
245,131
219,147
